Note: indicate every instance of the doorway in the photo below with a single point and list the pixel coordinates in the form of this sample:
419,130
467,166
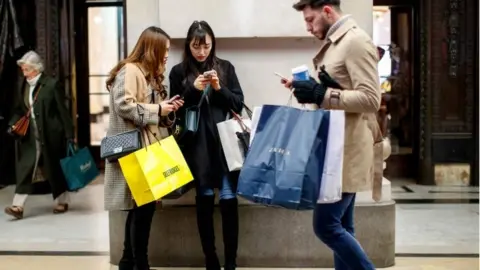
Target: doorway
100,46
394,34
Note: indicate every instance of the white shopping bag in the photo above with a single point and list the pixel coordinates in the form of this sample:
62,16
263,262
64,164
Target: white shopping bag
232,148
257,111
331,185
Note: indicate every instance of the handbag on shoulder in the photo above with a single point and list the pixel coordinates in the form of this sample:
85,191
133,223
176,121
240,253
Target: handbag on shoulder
20,128
188,126
116,146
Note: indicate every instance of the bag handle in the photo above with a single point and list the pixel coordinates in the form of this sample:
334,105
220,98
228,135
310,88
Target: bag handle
239,119
290,100
248,110
29,112
204,95
139,127
71,149
146,128
245,107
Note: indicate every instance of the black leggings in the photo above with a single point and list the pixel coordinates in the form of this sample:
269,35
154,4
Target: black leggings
137,234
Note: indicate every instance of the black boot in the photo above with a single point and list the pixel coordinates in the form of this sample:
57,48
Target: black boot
205,207
229,209
137,235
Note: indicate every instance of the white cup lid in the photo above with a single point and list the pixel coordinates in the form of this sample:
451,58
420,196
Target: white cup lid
300,69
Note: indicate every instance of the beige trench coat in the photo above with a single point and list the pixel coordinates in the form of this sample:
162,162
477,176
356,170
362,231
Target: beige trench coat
351,58
130,89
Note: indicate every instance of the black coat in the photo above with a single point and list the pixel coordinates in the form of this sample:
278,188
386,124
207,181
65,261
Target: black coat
54,126
204,153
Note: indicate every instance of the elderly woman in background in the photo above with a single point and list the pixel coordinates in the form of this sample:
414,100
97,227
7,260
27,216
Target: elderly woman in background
39,150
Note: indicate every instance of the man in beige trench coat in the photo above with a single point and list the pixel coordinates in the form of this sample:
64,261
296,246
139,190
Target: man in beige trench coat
350,58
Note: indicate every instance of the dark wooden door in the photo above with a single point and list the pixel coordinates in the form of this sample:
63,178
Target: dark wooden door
448,91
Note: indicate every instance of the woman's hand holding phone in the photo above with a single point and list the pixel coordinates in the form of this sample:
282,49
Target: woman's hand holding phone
208,77
209,74
177,101
213,79
171,105
201,82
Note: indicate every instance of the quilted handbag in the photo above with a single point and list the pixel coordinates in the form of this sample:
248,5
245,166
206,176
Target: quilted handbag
114,147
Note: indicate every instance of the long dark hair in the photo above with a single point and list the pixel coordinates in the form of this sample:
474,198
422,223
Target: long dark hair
148,53
198,32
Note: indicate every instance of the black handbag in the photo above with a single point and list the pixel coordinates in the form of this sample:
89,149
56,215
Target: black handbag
116,146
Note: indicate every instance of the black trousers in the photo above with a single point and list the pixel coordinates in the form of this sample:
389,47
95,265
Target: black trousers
137,234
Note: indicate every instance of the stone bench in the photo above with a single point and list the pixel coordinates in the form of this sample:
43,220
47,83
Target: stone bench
268,237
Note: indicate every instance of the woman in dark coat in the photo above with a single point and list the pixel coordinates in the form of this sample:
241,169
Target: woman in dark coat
38,153
203,152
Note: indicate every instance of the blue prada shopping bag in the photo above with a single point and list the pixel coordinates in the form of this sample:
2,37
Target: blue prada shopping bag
79,168
285,162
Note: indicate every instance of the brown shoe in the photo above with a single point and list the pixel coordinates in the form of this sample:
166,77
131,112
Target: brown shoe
60,208
14,211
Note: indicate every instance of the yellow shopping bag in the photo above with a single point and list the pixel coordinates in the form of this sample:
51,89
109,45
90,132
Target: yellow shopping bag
156,170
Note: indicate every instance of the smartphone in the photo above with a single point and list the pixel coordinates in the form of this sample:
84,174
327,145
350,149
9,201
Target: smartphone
209,74
177,97
283,79
281,76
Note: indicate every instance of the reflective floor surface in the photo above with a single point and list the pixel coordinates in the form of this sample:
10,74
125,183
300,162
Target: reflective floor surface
101,263
421,228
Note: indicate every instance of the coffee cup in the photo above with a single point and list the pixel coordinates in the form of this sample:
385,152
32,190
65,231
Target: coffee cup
301,73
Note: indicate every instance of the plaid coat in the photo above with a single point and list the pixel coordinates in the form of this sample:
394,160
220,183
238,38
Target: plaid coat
130,95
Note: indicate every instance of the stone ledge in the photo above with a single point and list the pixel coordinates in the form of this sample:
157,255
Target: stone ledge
362,197
268,237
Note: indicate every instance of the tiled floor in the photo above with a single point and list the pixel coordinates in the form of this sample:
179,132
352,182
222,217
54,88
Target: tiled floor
83,228
405,190
101,263
437,228
421,228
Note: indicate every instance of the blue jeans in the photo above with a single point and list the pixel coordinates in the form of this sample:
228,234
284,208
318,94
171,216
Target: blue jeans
333,224
226,192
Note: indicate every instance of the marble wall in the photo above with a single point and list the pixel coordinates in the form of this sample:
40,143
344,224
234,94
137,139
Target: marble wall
255,59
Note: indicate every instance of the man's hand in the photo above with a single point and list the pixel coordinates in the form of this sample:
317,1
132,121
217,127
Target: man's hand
309,91
287,82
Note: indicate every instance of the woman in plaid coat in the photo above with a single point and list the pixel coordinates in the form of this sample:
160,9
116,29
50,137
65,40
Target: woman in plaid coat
138,98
